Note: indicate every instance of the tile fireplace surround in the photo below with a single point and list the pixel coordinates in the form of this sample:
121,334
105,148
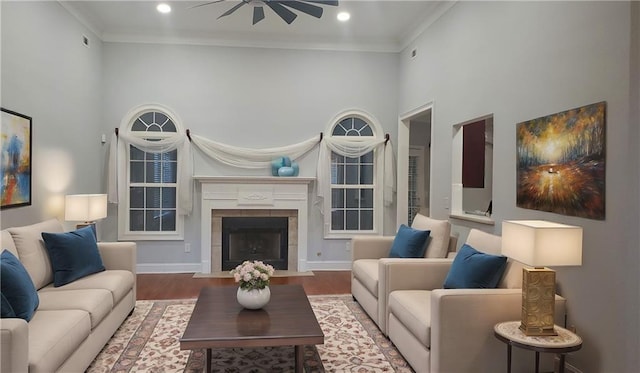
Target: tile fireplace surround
253,196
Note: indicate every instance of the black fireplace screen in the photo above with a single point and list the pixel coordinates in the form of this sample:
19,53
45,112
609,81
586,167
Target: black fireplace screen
255,238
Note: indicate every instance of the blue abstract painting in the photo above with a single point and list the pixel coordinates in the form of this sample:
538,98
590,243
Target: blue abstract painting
15,167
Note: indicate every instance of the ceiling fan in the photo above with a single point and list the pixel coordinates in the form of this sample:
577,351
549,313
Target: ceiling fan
280,7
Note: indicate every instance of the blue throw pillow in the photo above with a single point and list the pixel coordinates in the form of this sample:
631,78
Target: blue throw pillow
472,269
409,243
5,307
73,255
17,288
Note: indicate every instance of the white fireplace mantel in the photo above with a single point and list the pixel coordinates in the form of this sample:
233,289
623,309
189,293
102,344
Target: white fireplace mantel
247,193
254,179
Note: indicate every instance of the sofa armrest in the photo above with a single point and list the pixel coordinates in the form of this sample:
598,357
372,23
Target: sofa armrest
463,320
14,345
118,255
370,247
407,274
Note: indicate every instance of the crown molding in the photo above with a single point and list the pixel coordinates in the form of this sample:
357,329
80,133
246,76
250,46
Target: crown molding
236,40
239,42
434,15
70,8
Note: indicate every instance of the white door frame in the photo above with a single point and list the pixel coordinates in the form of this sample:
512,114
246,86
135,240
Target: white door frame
402,167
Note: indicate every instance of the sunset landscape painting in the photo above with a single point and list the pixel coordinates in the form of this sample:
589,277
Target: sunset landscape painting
561,162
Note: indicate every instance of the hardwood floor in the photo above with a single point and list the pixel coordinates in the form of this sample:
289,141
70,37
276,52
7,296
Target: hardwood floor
183,285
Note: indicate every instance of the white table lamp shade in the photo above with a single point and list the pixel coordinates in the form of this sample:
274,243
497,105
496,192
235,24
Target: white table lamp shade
540,243
85,207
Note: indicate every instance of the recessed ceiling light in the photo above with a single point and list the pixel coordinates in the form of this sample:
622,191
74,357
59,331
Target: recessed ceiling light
163,8
343,16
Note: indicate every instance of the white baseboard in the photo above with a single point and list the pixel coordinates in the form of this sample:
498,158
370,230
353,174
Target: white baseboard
567,367
197,267
169,268
571,369
329,265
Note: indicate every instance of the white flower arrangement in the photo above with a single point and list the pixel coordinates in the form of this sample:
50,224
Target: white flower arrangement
252,274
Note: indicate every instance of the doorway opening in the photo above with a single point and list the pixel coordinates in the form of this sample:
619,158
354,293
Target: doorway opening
414,164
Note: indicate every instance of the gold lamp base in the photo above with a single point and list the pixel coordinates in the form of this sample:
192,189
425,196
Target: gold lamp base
538,301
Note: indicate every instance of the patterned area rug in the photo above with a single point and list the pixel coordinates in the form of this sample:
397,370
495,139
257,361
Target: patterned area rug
148,341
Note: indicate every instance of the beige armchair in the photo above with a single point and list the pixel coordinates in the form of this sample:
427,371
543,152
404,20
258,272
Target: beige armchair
451,330
368,283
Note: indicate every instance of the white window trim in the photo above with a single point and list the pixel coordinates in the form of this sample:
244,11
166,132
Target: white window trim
378,171
123,207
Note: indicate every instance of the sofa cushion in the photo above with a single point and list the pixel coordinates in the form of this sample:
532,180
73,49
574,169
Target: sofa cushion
73,255
473,269
438,242
485,242
96,302
413,309
366,271
55,336
17,287
512,277
7,243
31,250
409,243
118,282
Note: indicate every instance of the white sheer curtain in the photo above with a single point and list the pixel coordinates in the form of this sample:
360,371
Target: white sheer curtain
350,147
116,186
243,158
251,158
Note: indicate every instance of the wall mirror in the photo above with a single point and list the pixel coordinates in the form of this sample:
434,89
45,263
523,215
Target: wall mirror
472,176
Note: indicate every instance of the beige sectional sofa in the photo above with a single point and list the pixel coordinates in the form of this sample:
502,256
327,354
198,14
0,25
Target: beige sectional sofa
74,321
369,255
451,330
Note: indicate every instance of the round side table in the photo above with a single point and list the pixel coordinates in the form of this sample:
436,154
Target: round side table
509,332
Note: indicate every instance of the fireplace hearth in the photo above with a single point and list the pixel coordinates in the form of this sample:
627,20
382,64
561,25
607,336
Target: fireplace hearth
255,238
254,196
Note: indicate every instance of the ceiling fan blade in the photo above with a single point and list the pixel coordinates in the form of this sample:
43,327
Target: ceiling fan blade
284,13
207,3
232,9
310,9
258,14
323,2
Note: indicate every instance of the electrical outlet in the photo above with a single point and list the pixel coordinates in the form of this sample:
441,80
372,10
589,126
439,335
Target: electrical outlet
187,247
348,246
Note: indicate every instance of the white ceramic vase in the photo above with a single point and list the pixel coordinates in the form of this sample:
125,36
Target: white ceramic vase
253,299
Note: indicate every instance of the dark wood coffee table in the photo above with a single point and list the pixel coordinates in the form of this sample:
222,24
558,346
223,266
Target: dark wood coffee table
218,321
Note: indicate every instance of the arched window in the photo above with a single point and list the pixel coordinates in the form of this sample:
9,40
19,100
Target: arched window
355,201
151,206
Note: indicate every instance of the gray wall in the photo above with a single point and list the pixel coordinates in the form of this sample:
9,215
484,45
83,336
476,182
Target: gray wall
523,60
48,74
248,97
517,60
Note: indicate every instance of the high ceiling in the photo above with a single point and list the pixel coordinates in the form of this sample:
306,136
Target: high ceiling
375,25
